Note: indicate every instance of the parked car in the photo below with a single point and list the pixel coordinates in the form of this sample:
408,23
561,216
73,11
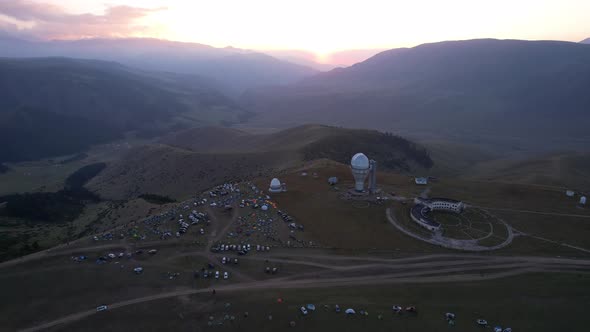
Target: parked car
216,274
101,308
225,275
303,310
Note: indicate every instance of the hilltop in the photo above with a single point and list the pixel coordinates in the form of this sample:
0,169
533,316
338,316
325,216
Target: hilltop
199,158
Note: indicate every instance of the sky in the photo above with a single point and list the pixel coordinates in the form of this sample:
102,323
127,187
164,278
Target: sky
320,27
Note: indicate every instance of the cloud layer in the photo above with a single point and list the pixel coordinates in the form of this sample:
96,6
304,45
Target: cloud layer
47,21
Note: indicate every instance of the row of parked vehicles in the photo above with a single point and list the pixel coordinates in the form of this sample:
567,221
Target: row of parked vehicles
242,249
227,260
212,274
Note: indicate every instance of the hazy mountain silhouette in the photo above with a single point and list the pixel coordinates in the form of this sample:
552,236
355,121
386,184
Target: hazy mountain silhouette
494,91
585,41
299,57
55,106
235,69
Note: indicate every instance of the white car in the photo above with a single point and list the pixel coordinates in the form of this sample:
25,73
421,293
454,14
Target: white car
223,260
101,308
225,275
216,274
303,311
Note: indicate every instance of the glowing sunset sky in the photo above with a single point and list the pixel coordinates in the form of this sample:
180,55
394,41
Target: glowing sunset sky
316,26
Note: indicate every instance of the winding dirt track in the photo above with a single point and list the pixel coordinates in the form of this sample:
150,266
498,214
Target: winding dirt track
328,270
418,269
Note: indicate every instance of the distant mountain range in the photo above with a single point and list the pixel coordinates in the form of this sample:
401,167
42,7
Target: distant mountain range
334,59
504,93
53,106
235,70
585,41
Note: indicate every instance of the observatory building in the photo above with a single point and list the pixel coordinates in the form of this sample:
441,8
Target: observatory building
275,186
362,167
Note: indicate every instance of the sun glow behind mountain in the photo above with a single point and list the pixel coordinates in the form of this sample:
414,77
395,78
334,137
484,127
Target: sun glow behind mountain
320,27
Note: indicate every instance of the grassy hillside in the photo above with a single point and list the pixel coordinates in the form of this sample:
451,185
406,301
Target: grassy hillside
176,173
562,170
53,106
200,158
312,141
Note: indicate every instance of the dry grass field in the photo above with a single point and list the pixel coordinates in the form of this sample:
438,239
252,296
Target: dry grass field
518,302
359,259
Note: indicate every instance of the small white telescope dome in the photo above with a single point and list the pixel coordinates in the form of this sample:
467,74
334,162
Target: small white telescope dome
275,186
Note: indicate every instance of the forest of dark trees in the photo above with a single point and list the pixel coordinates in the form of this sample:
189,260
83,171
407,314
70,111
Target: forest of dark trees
54,207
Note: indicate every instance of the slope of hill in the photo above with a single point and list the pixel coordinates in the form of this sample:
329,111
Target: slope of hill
234,69
585,41
563,170
504,93
197,159
55,106
311,141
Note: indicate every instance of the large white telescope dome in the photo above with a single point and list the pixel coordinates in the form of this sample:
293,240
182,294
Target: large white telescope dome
359,161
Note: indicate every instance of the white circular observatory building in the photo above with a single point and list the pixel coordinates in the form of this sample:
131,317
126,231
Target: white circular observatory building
275,186
359,164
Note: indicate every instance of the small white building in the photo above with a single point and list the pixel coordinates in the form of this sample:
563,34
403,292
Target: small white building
570,193
583,200
276,186
421,181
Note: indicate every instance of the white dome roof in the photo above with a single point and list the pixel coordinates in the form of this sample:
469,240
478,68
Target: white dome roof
359,161
275,183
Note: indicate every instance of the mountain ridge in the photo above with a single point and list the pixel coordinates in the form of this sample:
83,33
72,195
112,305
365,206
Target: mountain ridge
448,90
46,99
236,69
